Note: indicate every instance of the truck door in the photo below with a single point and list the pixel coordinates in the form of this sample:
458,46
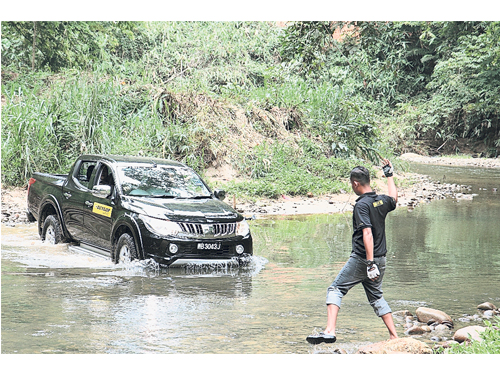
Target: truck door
98,212
74,193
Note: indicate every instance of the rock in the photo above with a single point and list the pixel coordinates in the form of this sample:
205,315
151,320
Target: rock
448,323
397,346
448,344
441,327
415,330
340,351
424,314
487,306
489,313
463,333
401,314
418,330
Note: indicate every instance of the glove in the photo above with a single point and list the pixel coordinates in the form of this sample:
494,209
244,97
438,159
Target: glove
373,272
388,170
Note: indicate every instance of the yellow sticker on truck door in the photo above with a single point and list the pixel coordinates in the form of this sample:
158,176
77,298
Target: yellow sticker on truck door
101,209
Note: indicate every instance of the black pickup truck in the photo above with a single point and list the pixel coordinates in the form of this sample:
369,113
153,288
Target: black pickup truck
138,208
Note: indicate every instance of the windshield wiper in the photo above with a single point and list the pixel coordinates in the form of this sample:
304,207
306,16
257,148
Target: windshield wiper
163,196
201,197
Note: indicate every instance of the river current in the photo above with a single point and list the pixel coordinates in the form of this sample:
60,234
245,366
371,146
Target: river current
443,255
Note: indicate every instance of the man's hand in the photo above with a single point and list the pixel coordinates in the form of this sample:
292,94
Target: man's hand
387,168
373,272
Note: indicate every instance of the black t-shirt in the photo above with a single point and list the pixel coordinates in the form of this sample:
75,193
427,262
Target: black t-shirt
370,211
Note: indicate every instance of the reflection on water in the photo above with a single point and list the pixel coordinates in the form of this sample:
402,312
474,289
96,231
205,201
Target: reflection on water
443,255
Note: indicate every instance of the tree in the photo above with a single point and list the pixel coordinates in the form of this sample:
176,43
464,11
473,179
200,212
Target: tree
61,44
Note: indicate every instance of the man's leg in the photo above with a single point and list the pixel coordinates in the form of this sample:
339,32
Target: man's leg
389,323
344,281
332,313
373,290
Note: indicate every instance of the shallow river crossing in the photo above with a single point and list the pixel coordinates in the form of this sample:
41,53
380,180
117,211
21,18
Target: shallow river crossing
443,255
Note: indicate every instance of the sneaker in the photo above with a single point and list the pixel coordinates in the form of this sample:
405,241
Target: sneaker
322,337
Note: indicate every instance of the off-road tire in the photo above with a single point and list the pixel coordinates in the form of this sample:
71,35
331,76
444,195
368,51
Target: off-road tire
52,230
30,217
125,249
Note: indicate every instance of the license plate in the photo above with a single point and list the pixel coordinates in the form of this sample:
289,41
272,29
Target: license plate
209,246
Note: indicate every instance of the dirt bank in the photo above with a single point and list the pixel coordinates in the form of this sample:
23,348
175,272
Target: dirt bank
414,189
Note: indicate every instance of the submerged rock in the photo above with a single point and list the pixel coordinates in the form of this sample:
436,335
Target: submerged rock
396,346
463,333
339,351
415,330
489,313
418,330
441,328
487,306
424,314
402,314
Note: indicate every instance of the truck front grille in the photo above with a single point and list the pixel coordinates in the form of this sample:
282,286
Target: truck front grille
191,228
209,230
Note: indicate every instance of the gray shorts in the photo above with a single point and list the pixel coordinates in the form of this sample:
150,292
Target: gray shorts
353,273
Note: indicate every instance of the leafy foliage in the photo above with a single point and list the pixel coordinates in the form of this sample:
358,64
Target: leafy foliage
174,89
282,169
446,72
490,343
59,45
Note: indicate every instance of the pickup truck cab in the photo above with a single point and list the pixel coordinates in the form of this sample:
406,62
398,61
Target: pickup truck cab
138,208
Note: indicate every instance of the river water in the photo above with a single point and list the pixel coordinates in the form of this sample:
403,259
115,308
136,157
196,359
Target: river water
444,255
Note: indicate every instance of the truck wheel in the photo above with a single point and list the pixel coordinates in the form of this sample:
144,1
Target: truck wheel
125,250
30,216
52,231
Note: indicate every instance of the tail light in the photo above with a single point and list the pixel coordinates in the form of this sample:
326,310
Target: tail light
30,182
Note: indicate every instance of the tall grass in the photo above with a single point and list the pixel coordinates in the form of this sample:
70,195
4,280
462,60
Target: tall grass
203,56
171,93
45,129
284,169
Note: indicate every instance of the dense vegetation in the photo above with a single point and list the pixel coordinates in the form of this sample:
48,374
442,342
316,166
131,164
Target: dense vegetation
291,108
490,343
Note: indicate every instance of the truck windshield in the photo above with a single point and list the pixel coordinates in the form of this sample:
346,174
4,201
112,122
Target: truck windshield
161,181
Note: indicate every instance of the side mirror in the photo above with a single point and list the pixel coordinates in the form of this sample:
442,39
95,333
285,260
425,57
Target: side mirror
101,191
220,194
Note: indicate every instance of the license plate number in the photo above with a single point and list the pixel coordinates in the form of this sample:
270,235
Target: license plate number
209,246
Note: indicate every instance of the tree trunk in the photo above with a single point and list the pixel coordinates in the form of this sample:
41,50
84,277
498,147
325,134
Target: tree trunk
34,46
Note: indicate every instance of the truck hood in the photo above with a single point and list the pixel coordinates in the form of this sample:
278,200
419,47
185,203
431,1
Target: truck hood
191,210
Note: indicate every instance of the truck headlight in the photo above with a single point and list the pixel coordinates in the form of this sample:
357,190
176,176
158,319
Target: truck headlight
242,228
161,227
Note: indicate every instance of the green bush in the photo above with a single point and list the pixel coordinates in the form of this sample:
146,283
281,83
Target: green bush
283,169
490,343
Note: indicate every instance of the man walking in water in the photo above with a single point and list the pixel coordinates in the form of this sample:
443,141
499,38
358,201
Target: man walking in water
366,264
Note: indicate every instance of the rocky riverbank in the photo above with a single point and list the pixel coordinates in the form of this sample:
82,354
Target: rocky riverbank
453,161
13,206
431,331
413,190
439,327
